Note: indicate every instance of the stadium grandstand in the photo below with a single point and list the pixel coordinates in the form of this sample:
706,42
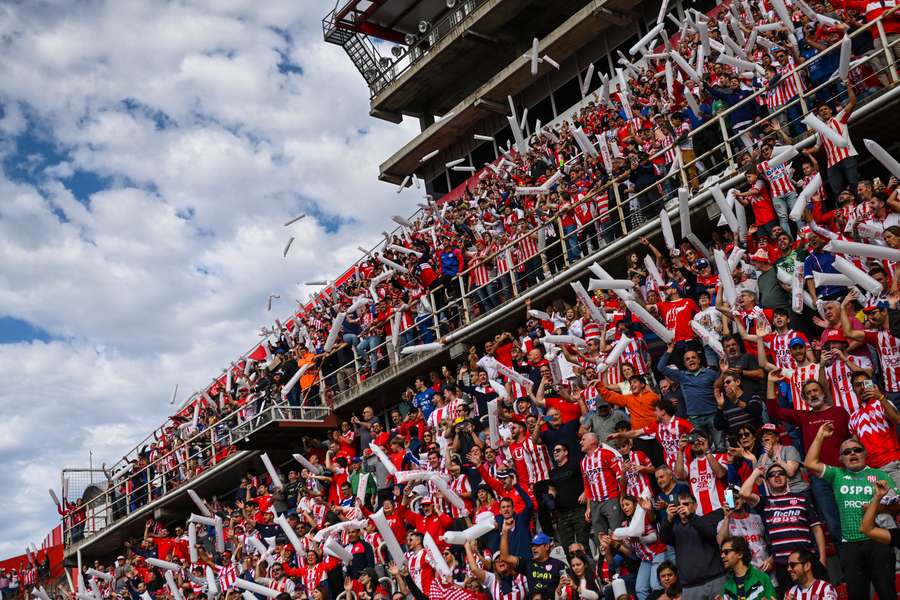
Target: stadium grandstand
637,342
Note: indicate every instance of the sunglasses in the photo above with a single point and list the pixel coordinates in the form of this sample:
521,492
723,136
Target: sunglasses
726,551
776,474
853,450
745,434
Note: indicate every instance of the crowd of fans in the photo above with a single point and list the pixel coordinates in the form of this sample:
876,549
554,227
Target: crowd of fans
754,455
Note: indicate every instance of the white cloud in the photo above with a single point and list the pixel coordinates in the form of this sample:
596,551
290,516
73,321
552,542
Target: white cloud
162,277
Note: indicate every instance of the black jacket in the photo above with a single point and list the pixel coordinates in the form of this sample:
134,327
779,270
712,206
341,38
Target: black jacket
696,546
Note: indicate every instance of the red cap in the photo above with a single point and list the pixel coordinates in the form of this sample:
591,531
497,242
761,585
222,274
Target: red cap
833,335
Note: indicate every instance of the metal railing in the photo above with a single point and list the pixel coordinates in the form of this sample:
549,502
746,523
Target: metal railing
462,305
197,456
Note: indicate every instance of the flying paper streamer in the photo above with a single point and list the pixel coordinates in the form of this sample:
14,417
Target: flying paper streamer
650,321
859,277
387,534
422,348
882,156
429,156
813,122
610,284
533,55
255,588
377,451
276,480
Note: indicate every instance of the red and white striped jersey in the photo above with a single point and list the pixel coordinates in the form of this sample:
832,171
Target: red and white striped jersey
876,433
531,461
528,247
636,483
419,568
799,376
778,177
779,348
668,435
312,576
636,354
517,587
283,584
646,551
479,275
708,489
600,470
837,374
889,354
590,394
461,486
591,330
226,577
612,375
789,86
603,207
439,414
817,590
834,153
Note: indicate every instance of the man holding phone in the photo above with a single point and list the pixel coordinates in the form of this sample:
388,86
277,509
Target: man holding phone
875,424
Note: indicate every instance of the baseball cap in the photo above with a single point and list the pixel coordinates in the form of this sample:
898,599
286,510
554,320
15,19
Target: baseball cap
797,341
834,335
874,307
540,539
427,500
770,427
760,256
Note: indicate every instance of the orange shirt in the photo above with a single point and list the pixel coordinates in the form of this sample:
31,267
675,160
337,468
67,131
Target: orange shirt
640,406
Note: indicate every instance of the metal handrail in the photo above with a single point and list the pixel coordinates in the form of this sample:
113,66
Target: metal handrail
110,501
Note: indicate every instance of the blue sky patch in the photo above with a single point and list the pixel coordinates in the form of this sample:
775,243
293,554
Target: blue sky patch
14,331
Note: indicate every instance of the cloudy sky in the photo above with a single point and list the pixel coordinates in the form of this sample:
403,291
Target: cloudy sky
150,153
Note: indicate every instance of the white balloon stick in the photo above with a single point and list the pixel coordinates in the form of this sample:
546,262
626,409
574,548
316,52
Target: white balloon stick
550,62
709,338
480,528
782,157
255,588
95,589
844,65
533,55
882,156
422,348
564,339
738,63
385,460
403,250
725,209
212,587
337,528
436,557
201,505
616,353
665,334
387,534
100,574
334,331
684,211
586,83
391,264
839,279
644,41
724,269
635,527
652,270
451,496
610,284
813,122
211,522
333,548
54,497
220,534
588,303
163,564
276,480
286,389
703,30
464,169
684,66
805,194
737,253
483,138
666,226
453,163
863,250
192,542
290,534
859,277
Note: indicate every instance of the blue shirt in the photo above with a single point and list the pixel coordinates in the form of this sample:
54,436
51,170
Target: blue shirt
423,401
696,387
823,262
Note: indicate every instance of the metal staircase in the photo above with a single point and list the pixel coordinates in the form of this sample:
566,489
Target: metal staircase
361,51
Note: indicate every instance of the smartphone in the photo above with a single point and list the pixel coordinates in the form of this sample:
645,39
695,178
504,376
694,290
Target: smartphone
729,498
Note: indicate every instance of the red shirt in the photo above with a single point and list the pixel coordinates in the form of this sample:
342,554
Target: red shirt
677,317
568,411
